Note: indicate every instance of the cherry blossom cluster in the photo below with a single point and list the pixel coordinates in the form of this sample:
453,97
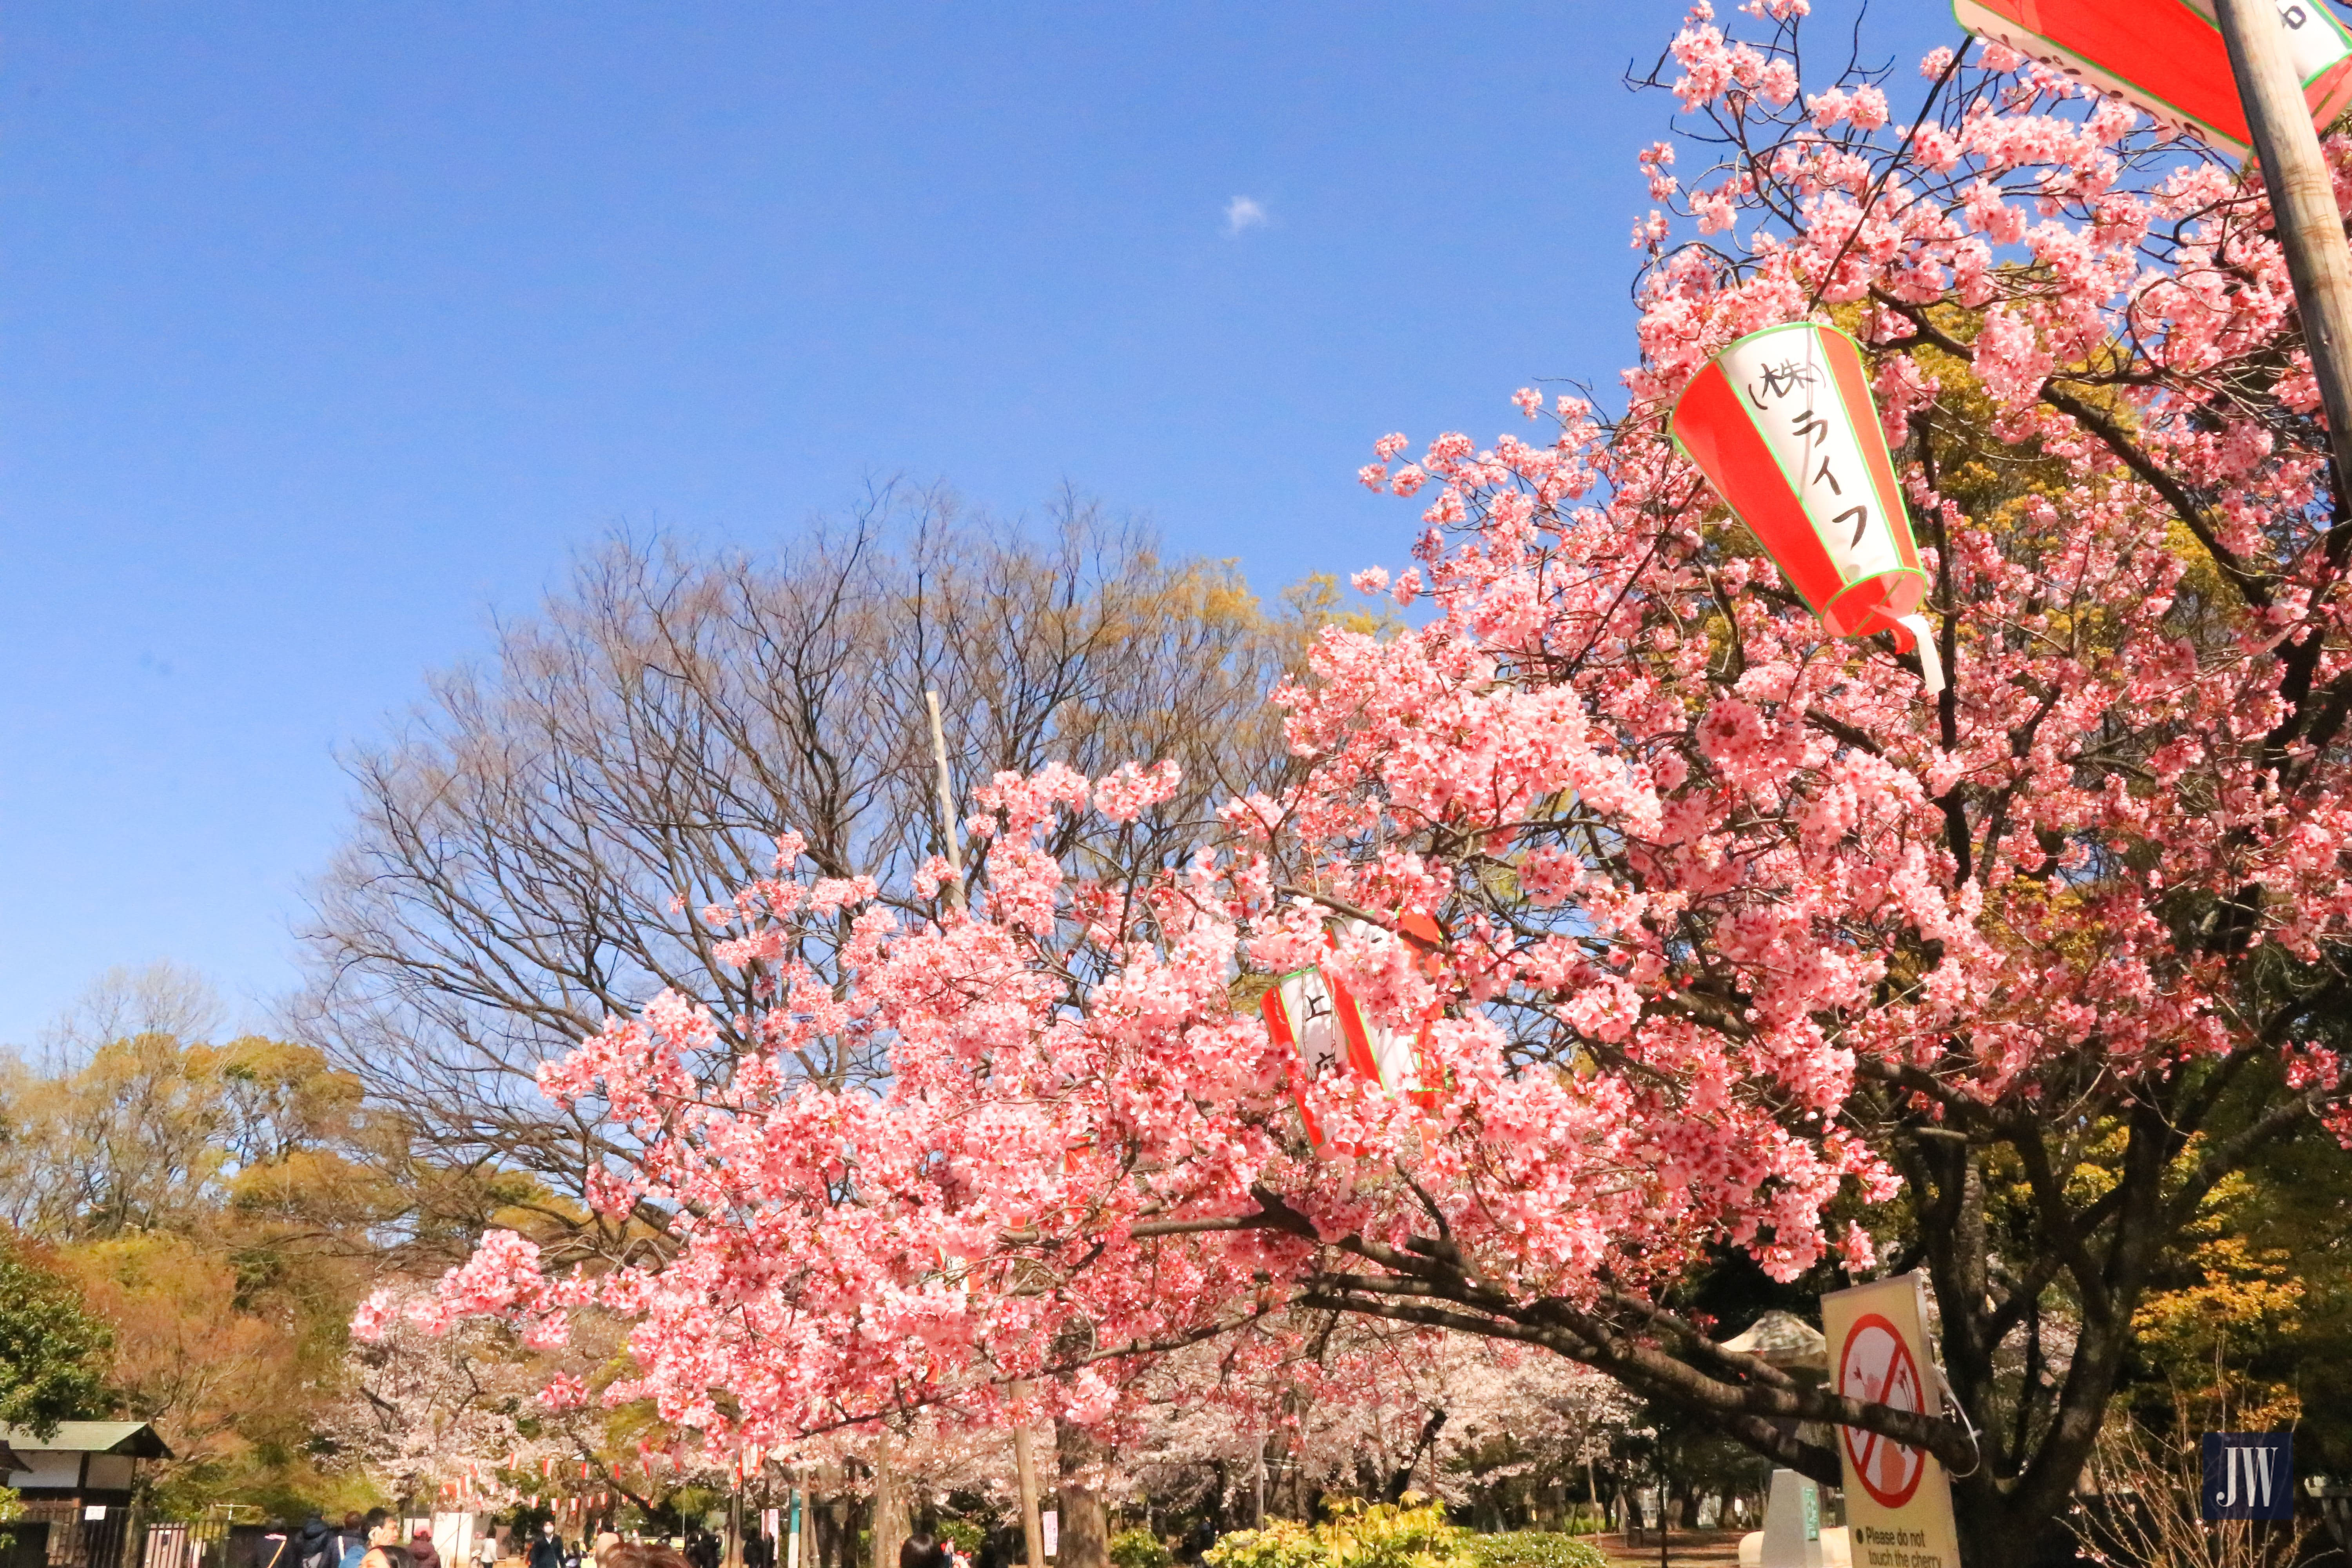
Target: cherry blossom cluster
1722,897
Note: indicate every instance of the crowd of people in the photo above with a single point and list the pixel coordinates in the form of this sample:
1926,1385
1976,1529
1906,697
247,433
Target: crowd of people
374,1540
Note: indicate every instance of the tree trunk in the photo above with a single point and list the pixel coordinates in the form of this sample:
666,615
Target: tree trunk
1084,1536
2014,1541
836,1533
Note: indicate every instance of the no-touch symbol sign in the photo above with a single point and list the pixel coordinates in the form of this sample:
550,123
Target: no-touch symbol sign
1899,1501
1876,1366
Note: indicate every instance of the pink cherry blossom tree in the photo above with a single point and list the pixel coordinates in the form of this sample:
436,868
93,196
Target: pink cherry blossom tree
429,1404
1746,946
1366,1407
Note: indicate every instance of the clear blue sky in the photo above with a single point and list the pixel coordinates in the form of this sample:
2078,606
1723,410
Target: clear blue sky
328,331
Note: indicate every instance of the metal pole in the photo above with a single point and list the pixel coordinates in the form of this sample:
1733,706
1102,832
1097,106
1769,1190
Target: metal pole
2303,202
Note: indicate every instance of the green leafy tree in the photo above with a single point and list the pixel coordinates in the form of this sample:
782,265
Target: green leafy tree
53,1352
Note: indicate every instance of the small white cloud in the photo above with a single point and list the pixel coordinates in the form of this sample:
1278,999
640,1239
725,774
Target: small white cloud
1243,212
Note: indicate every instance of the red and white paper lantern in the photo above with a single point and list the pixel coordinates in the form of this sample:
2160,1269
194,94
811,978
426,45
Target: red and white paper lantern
1782,424
1314,1014
2167,57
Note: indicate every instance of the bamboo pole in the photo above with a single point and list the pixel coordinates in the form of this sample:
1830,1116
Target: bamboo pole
2302,204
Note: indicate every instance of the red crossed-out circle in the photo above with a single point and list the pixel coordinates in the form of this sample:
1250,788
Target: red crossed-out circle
1876,1366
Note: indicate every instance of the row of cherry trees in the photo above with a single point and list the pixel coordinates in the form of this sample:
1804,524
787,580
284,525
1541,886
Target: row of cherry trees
451,1415
1747,949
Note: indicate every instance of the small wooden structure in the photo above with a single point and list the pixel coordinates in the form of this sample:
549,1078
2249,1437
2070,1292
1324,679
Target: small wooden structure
77,1483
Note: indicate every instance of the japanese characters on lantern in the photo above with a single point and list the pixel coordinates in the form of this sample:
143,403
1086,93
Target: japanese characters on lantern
1314,1014
1782,424
2167,57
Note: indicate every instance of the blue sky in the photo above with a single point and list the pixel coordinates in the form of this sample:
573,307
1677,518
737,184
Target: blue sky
327,331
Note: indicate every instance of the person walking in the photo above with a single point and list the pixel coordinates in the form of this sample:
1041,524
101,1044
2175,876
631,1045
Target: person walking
383,1548
351,1542
546,1549
422,1552
922,1550
314,1545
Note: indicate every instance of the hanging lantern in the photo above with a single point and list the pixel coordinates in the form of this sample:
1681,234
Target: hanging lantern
2167,57
1314,1014
1782,424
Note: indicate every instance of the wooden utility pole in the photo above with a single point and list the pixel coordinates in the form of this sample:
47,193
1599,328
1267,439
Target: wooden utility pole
1024,1467
2303,202
1025,1457
885,1506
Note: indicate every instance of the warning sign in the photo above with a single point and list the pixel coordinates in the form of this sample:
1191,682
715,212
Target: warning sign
1876,1367
1898,1504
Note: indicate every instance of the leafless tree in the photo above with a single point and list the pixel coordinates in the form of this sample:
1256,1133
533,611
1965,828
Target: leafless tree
533,846
158,998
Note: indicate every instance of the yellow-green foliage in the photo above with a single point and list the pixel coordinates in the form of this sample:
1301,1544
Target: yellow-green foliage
1412,1534
1140,1548
2204,1336
1533,1549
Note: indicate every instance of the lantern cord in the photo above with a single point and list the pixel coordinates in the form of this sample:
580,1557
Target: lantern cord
1888,173
1952,1396
1931,664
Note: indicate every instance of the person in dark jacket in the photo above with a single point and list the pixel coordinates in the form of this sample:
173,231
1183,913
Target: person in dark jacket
314,1545
922,1550
546,1548
422,1552
351,1542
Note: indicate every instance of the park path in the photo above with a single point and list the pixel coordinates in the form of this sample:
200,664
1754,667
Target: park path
1685,1549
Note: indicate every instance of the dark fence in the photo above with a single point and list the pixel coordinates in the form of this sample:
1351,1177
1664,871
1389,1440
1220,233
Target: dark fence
64,1532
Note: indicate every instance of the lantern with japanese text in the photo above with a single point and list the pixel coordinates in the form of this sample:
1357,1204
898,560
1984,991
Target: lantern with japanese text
1314,1014
1782,424
2167,57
